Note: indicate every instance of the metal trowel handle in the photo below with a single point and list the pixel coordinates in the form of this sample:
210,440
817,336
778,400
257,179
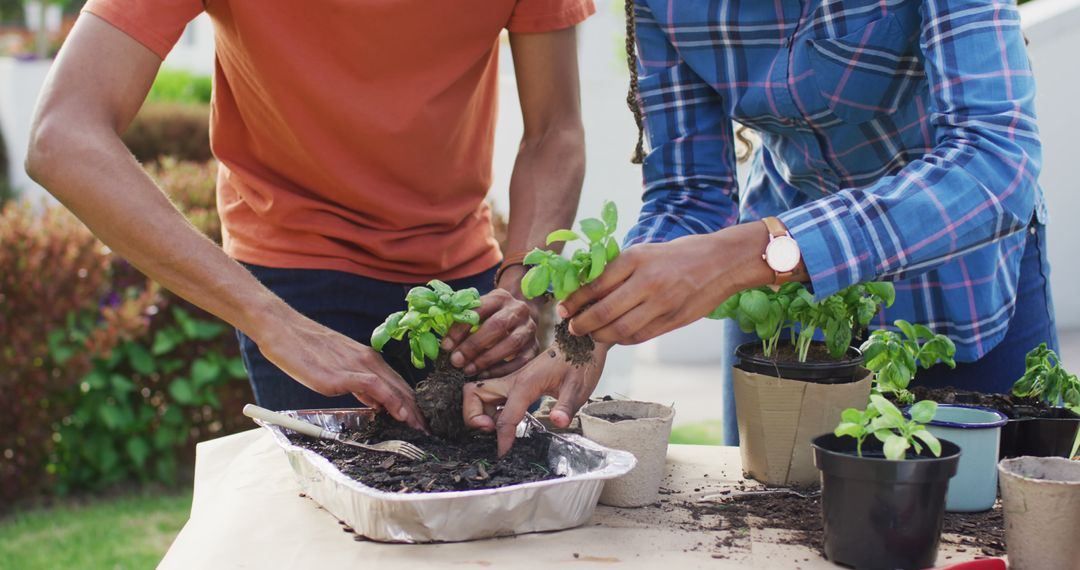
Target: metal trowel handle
279,419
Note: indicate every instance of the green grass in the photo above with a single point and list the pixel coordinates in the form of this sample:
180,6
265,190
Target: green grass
701,433
126,532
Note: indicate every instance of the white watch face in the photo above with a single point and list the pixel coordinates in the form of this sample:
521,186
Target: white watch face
782,254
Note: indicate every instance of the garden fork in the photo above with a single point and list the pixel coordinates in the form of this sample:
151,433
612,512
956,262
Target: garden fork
396,446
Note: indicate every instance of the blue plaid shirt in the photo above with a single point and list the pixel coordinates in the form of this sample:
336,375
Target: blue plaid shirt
898,143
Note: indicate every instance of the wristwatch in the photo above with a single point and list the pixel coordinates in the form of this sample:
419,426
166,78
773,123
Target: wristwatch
782,254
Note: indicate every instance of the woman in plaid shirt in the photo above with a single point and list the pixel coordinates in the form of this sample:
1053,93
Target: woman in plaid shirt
898,142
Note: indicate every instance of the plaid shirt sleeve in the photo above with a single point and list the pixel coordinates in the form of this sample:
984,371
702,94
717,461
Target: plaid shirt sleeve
687,189
977,185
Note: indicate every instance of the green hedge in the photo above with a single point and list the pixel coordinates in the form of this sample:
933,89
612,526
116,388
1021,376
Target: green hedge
110,378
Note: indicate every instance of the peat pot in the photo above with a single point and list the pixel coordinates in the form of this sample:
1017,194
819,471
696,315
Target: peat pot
779,415
880,513
976,431
1041,500
643,429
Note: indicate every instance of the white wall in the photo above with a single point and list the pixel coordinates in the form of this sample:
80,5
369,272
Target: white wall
20,82
1053,27
194,51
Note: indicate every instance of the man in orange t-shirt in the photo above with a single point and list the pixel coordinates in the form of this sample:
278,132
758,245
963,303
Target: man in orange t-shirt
355,141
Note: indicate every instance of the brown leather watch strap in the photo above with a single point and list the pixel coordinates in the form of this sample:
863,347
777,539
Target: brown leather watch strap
508,262
775,226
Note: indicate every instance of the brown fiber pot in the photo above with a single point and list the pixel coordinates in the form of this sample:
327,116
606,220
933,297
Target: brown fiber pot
1041,500
646,436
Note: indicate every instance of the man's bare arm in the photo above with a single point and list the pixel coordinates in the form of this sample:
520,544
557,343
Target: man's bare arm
95,88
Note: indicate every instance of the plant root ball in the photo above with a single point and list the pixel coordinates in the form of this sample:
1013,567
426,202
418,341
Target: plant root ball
578,350
439,399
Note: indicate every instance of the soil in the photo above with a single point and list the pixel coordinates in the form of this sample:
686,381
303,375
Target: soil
800,516
984,531
786,353
614,418
1011,406
578,350
466,464
439,398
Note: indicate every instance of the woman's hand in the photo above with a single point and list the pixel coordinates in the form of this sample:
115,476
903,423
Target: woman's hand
652,289
546,375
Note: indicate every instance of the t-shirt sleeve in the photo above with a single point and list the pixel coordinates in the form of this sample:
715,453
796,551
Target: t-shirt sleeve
532,16
156,25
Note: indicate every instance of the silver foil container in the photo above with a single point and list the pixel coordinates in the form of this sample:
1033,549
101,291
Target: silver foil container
555,504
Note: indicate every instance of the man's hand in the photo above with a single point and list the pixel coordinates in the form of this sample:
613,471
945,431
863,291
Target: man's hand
505,341
651,289
332,364
549,374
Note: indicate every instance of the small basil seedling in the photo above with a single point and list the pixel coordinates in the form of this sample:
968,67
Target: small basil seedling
432,310
894,357
887,424
1045,378
564,276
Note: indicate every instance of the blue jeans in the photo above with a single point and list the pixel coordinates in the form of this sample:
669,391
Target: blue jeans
349,304
1032,323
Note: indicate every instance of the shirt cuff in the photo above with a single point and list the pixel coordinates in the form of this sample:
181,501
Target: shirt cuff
832,242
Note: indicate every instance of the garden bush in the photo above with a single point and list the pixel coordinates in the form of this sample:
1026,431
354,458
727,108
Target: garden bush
177,130
177,86
107,377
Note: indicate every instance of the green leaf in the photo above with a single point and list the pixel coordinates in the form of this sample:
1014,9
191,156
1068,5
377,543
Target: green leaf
110,416
429,345
928,438
121,384
886,408
468,317
537,256
535,282
379,337
465,297
851,415
206,330
882,290
164,341
923,412
848,429
140,358
440,287
612,249
594,229
895,447
569,283
599,260
561,235
410,320
610,215
58,348
204,372
755,304
182,392
138,450
727,309
907,328
421,298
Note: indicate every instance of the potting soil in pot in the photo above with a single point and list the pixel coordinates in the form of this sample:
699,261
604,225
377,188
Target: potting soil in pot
466,464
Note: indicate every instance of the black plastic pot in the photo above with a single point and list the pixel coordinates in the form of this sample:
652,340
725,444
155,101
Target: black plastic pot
1010,445
880,513
1046,437
830,372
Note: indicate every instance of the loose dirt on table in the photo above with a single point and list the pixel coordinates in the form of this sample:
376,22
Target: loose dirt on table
735,518
466,464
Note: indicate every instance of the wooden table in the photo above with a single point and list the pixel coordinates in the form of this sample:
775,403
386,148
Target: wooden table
247,513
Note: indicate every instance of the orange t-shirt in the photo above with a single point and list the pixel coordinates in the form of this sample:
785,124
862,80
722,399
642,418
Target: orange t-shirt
353,135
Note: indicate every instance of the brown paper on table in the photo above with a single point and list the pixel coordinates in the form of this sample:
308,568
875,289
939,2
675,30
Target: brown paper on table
779,417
